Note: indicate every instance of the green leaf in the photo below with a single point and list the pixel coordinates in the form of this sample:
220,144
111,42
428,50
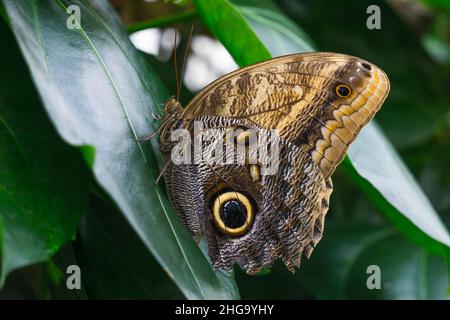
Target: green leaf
376,161
228,25
439,4
381,169
115,262
43,281
279,34
263,30
3,14
99,91
43,181
339,268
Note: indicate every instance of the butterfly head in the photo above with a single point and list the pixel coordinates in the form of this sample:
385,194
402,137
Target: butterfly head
171,105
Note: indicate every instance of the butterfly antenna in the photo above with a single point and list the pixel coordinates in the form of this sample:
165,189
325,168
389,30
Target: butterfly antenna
175,60
184,62
162,172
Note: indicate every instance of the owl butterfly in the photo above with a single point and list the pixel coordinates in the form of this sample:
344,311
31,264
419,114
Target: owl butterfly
318,103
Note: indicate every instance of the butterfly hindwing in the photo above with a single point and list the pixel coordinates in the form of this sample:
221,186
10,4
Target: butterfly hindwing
289,205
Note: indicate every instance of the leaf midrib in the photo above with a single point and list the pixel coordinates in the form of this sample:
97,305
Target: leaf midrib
109,76
97,54
102,20
179,244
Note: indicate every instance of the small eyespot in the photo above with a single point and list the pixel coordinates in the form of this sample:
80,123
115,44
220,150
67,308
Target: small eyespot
233,213
343,90
366,66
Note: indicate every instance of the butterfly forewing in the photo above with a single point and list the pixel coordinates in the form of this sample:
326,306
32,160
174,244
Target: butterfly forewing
296,94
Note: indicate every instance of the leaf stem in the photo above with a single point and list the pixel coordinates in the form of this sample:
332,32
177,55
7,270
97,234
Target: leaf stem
163,21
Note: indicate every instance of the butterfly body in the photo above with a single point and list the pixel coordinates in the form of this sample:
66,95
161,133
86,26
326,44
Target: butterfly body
316,103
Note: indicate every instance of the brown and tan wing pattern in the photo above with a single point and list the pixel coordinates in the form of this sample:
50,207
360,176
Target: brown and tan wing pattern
318,102
289,210
296,94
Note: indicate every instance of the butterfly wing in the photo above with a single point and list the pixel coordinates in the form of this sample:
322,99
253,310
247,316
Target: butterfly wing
297,95
288,207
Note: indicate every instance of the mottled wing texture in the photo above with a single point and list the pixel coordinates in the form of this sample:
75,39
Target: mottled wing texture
296,95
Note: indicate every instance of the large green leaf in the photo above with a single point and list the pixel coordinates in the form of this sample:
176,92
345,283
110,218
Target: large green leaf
227,23
41,281
100,92
279,34
115,263
43,182
339,270
381,169
441,4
